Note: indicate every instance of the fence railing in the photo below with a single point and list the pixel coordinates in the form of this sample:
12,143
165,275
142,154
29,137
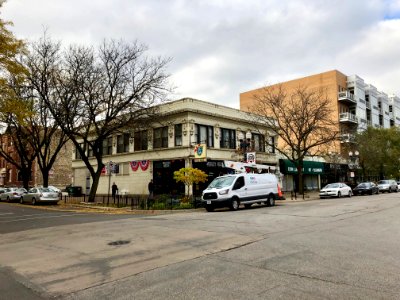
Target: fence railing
160,202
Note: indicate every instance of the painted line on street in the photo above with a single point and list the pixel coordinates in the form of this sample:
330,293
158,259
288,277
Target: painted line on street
43,217
3,214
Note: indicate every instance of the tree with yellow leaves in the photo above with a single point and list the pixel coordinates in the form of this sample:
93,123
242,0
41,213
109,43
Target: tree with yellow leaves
189,176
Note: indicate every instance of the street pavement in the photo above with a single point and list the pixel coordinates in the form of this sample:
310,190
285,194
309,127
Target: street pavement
343,248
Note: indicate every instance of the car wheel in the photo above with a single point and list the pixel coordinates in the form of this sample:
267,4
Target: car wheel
390,190
21,200
33,201
370,192
235,204
350,194
8,199
271,200
339,195
209,208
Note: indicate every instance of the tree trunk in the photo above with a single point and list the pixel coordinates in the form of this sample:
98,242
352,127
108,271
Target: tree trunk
45,176
25,174
95,184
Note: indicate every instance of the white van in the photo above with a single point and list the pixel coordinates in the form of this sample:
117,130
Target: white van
233,190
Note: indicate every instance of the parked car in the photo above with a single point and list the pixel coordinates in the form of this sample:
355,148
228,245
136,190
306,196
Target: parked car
388,185
12,194
337,189
39,194
366,188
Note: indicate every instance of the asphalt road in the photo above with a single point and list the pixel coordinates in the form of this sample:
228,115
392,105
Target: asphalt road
16,217
344,248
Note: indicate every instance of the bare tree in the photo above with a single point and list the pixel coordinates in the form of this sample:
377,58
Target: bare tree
100,92
303,120
47,139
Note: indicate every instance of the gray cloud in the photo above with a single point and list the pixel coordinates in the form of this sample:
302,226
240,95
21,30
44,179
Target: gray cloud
221,48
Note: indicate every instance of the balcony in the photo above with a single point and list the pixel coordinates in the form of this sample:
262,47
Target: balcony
368,105
348,118
347,138
346,97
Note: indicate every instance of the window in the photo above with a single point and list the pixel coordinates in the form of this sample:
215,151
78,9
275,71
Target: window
228,138
259,142
160,137
178,135
123,143
77,154
107,146
90,151
239,183
204,134
141,140
272,146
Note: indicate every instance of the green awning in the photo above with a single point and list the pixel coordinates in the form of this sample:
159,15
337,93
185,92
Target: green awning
309,167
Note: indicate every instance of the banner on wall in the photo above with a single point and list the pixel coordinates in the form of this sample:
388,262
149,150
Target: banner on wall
143,164
200,151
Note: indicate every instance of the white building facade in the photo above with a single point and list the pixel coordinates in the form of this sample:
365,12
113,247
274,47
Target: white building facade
170,144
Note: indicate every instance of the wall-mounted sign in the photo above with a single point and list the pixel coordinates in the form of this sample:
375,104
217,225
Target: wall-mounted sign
200,151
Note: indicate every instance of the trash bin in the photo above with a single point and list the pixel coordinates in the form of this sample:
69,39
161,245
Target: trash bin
75,191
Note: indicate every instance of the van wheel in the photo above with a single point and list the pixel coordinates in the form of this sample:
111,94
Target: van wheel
247,205
270,200
209,208
235,204
33,201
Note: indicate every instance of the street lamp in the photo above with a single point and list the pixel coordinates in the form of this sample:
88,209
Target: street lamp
353,163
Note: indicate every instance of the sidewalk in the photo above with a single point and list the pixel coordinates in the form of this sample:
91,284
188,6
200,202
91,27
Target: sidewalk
96,208
308,196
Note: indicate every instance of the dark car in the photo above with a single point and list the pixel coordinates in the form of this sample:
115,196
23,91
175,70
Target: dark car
366,188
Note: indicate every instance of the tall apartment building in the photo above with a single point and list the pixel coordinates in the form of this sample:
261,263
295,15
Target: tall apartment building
355,103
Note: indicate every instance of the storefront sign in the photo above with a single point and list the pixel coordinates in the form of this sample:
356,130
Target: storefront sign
309,167
200,151
251,157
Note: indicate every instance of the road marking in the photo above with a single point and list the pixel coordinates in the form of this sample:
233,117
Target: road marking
3,214
43,217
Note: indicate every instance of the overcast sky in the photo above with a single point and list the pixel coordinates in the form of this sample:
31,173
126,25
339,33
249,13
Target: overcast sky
221,48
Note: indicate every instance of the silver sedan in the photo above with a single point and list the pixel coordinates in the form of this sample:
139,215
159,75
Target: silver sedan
12,194
36,195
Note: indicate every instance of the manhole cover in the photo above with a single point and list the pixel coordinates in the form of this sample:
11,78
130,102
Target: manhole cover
118,243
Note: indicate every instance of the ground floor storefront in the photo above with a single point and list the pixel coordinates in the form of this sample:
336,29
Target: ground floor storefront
316,175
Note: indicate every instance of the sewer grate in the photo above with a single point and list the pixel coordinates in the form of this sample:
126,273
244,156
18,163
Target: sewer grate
118,243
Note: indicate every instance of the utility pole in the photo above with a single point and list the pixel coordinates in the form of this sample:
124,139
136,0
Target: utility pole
110,166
